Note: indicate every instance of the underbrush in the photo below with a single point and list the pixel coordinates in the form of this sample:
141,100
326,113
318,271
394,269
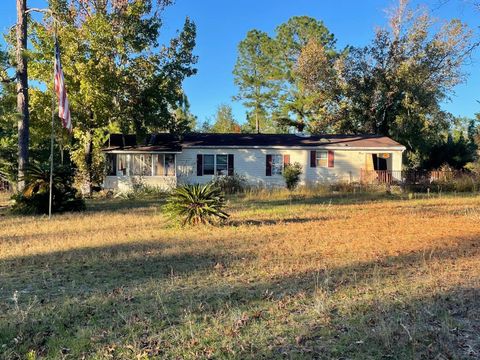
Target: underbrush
465,184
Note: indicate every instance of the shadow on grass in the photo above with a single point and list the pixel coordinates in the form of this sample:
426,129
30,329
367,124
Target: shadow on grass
444,325
270,222
97,205
88,299
334,199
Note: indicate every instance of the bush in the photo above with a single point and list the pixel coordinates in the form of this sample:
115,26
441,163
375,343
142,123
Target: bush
196,204
34,199
230,184
291,174
140,190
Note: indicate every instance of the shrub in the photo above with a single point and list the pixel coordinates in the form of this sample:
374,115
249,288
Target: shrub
230,184
34,199
291,174
141,190
196,204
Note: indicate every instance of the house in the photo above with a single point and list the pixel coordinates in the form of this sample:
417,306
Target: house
166,160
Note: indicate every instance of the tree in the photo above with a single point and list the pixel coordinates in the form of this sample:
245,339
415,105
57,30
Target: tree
317,94
117,76
256,75
304,44
266,74
394,86
225,121
22,91
8,130
183,119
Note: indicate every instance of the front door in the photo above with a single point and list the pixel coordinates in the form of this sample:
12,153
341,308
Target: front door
379,162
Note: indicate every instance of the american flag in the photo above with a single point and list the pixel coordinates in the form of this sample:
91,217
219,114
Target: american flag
63,110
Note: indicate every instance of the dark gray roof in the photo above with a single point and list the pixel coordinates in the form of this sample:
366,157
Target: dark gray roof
169,142
286,140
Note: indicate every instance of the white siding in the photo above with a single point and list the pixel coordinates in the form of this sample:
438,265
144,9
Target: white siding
251,163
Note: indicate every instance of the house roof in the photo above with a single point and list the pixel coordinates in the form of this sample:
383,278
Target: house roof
286,140
170,142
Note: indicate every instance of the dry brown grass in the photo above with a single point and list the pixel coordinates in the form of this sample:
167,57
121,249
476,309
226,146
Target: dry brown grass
348,278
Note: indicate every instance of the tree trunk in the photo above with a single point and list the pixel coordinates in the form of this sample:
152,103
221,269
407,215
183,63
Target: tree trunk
22,92
88,151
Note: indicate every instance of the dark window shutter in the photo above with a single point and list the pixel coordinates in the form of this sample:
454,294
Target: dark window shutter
331,158
313,158
230,165
199,164
286,159
268,170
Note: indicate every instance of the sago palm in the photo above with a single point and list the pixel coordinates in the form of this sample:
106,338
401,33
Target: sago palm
196,204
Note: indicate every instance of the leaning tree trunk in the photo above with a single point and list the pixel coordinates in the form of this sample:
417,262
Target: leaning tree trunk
22,92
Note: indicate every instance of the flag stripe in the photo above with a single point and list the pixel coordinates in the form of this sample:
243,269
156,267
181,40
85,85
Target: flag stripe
63,108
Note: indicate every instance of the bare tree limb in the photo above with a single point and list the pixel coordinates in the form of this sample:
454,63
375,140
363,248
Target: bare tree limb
38,10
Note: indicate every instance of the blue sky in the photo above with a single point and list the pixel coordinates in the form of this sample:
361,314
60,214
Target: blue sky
221,25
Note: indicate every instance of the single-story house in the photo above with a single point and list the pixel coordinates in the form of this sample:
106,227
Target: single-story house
166,160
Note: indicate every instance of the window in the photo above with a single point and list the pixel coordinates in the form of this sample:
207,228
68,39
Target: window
169,165
208,164
111,164
164,165
222,165
159,165
322,158
277,164
141,164
122,164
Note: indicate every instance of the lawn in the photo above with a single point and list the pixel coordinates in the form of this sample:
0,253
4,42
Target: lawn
330,277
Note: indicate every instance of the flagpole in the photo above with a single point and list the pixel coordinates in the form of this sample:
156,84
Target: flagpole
50,198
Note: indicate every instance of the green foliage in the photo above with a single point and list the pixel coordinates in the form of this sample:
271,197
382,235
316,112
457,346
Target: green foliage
291,173
88,158
8,128
395,86
265,74
141,190
116,74
224,121
256,74
34,199
196,204
230,184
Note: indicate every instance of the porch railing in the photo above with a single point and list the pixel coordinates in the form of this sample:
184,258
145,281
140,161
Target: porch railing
406,176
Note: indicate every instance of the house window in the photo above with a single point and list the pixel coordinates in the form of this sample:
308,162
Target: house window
208,164
164,165
222,165
111,164
322,158
141,164
122,164
159,165
169,164
277,164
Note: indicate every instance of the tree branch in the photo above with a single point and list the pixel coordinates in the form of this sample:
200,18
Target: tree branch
7,80
38,10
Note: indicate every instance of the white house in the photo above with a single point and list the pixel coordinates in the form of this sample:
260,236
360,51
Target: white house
166,160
